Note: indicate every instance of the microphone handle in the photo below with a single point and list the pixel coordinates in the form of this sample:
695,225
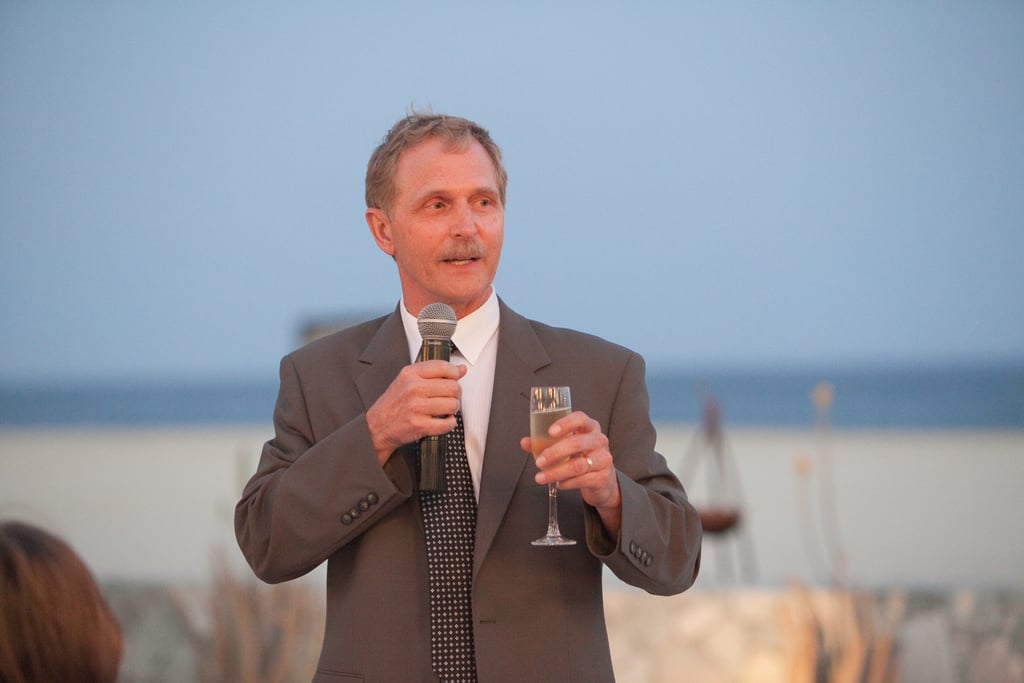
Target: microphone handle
432,448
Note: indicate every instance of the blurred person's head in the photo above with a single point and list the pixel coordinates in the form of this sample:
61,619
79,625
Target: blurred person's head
55,624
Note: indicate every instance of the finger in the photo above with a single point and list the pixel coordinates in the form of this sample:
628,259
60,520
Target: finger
438,406
568,447
437,369
574,423
426,392
565,470
559,452
584,464
434,425
586,468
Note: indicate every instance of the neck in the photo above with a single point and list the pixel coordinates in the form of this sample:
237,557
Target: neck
461,308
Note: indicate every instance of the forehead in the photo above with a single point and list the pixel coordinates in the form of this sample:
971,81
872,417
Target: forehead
438,164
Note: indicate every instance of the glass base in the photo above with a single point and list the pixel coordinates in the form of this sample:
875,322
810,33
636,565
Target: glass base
553,540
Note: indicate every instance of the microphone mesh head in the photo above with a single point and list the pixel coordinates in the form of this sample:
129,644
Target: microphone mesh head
437,321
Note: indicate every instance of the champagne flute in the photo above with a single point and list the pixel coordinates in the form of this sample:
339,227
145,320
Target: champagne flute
547,406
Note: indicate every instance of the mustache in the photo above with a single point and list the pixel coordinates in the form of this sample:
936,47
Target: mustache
463,251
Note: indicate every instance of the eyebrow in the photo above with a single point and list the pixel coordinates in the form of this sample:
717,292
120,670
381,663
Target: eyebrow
437,192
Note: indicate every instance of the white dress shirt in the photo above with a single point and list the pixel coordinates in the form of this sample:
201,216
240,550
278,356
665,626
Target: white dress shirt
476,346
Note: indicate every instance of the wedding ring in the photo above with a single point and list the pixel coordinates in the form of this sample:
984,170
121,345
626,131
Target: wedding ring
590,464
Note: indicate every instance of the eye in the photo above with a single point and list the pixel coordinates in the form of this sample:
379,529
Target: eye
437,205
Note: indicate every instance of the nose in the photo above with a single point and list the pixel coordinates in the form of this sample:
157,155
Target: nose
464,220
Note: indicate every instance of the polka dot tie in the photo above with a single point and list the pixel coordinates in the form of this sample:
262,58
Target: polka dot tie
449,520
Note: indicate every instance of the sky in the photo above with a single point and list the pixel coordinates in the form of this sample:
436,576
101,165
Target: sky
713,184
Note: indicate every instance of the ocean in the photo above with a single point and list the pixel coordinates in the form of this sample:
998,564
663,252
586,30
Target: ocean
931,397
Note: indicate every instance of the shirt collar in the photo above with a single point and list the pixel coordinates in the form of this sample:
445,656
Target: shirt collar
471,334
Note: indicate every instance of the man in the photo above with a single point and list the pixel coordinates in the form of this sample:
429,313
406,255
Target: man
338,480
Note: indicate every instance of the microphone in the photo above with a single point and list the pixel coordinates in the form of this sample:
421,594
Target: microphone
436,323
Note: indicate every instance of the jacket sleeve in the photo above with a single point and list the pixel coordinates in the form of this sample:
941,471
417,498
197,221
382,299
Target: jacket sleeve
311,496
659,544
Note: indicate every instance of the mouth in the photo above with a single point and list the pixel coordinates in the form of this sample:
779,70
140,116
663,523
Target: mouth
460,261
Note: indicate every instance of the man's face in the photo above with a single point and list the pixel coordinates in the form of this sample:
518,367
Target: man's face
445,227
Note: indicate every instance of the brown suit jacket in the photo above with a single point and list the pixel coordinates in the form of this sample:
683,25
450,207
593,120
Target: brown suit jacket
320,494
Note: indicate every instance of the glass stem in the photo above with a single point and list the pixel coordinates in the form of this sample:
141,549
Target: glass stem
553,510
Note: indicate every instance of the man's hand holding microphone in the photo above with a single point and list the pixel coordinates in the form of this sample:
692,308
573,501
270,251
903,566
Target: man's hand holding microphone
420,404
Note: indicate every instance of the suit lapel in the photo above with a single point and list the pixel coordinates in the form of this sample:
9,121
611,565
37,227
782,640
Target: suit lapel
520,355
384,356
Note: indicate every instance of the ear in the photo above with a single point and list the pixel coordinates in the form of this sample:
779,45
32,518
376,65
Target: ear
380,228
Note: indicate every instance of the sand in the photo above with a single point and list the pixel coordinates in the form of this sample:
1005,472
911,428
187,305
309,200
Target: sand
928,508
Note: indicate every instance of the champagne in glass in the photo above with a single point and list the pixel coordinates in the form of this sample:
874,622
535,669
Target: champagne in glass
547,406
